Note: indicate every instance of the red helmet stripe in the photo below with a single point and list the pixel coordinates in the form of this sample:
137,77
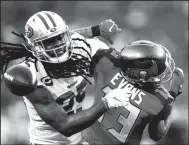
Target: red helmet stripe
44,22
51,19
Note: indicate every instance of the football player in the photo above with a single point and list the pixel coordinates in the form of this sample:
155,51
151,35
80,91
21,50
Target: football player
139,69
60,59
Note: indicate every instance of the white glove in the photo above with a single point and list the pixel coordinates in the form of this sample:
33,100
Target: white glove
116,98
177,80
108,29
84,143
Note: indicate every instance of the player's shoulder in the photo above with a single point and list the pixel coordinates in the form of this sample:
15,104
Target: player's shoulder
155,98
78,41
162,94
75,36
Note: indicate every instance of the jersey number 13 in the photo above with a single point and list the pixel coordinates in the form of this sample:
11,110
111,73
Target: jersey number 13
126,120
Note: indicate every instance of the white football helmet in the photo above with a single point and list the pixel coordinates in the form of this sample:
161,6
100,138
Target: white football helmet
48,37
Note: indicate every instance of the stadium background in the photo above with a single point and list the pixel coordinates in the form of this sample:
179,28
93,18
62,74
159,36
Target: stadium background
163,22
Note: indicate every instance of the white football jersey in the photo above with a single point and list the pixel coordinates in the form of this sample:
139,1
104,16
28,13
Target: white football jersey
72,88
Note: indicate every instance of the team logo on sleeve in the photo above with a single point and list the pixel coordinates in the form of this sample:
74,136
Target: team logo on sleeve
29,31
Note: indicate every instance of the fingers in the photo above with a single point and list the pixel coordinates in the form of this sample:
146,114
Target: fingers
108,38
123,92
122,97
126,92
119,30
179,72
108,20
123,102
110,41
113,23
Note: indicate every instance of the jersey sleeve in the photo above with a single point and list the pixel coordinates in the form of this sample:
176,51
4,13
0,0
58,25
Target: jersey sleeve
96,45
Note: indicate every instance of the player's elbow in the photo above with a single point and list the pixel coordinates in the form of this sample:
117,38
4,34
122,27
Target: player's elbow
156,137
63,128
157,130
67,133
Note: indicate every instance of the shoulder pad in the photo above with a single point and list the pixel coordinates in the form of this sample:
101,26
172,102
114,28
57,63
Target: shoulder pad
163,95
78,41
75,35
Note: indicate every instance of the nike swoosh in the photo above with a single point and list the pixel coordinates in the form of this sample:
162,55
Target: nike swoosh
117,99
110,29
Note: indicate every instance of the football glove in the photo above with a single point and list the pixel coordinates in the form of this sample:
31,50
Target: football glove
116,98
84,143
177,81
108,29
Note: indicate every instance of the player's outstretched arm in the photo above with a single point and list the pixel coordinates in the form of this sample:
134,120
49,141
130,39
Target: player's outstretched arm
106,29
55,116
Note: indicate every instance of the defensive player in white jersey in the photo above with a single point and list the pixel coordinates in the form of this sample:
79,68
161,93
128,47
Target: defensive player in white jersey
61,60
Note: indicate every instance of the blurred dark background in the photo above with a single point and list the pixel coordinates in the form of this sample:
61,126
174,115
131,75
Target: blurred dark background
163,22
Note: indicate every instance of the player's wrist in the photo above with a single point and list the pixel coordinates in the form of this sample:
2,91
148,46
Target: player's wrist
95,30
175,94
105,103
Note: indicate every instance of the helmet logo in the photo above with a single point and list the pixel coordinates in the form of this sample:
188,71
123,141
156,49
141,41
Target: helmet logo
53,29
143,74
29,31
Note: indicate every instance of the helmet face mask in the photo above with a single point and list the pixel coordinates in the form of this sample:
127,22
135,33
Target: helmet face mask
156,69
53,48
48,37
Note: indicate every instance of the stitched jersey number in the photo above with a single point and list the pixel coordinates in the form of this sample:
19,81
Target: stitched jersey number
68,104
127,120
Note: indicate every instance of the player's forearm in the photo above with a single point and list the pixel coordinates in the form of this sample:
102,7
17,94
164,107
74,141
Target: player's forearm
82,120
89,32
159,128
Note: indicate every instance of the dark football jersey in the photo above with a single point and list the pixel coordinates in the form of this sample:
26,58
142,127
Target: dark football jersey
124,124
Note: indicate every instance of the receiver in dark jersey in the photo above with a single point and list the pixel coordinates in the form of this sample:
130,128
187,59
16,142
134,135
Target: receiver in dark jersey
125,125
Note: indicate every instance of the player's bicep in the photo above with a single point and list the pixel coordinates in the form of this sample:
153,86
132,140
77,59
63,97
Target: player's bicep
96,44
47,108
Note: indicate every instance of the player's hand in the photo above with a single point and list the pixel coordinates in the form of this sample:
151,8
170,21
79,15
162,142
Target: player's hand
177,80
116,98
108,29
84,143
